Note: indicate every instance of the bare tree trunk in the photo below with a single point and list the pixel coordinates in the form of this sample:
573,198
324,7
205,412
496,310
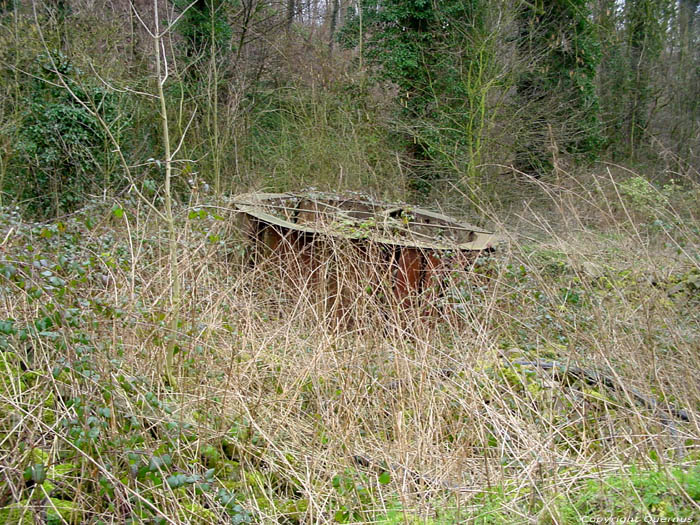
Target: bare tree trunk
686,15
644,37
334,22
686,90
291,8
161,76
362,36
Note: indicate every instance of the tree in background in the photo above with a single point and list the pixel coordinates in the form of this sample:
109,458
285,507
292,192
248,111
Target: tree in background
645,34
687,93
612,72
437,56
207,36
204,28
557,91
649,77
457,84
63,152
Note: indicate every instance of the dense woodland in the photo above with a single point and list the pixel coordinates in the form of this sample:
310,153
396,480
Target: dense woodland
413,95
153,371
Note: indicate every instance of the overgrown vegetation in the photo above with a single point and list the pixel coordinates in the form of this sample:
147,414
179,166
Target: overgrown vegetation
292,409
153,371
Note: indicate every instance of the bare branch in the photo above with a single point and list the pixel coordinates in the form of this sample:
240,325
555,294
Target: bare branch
145,26
184,134
172,24
93,113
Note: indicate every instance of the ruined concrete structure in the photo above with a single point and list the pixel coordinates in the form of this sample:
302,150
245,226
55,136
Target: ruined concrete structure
407,246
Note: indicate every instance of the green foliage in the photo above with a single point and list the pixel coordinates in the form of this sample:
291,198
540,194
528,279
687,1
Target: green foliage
645,33
441,58
55,510
638,493
204,27
635,37
331,140
6,5
401,517
92,403
611,84
354,494
643,194
559,87
63,151
635,495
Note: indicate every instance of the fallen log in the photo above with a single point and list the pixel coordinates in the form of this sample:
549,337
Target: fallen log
594,378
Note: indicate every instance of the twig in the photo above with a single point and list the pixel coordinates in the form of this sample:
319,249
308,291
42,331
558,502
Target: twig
594,378
364,461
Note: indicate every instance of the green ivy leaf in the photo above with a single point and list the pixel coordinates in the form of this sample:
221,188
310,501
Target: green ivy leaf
385,478
35,473
342,516
175,481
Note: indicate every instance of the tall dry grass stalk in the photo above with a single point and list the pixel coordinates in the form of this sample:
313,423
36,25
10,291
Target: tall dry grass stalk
324,374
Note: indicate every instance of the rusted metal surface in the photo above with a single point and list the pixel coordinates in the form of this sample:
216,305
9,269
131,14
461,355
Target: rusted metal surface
412,247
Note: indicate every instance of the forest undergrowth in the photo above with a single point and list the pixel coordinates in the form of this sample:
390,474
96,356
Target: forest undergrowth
553,380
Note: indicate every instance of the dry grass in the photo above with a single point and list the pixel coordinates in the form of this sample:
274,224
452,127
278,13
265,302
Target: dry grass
301,402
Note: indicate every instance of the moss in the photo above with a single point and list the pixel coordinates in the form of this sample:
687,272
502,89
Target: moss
9,358
60,478
16,514
10,374
294,509
401,517
195,513
686,284
233,486
598,395
258,482
211,455
230,470
56,510
64,511
30,377
49,401
48,415
37,455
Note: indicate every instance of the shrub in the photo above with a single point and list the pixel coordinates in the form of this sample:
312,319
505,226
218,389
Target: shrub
63,151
